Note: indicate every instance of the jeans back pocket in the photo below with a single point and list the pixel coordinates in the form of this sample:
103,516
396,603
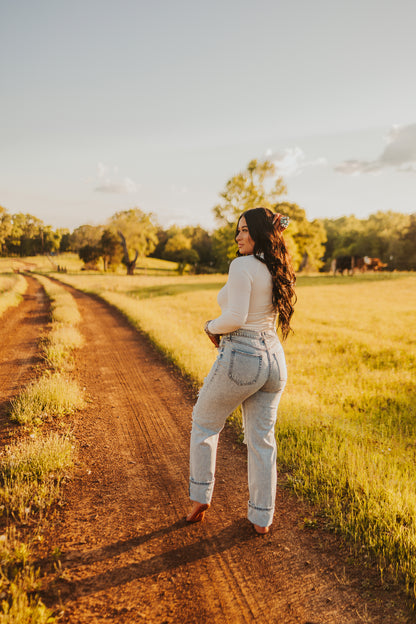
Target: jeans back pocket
244,367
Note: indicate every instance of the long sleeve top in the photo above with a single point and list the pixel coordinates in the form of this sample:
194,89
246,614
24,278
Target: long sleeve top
246,298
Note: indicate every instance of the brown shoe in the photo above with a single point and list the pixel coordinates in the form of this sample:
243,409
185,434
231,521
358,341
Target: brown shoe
198,512
261,530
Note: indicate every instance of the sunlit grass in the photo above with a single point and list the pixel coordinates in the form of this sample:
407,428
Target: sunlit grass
70,262
31,472
18,583
63,337
51,397
346,427
12,288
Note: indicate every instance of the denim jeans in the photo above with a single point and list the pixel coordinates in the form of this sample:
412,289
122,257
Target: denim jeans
250,370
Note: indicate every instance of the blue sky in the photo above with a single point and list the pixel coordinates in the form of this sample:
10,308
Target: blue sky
110,105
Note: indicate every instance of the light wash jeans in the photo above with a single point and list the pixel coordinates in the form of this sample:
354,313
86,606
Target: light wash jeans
250,370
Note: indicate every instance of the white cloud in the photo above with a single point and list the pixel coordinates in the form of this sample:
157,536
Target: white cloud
399,153
292,161
109,181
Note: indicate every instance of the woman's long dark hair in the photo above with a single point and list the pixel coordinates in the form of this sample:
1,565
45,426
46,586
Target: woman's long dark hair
270,248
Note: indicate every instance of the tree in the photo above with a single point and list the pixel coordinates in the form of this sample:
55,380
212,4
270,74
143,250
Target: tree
90,255
85,235
258,185
26,235
405,253
305,239
5,229
51,240
179,249
193,238
65,244
379,236
111,249
138,235
162,238
176,244
201,242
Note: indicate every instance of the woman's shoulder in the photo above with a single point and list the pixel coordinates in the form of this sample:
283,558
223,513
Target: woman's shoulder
240,263
245,264
245,261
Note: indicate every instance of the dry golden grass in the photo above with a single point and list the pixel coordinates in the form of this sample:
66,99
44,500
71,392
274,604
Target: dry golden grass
12,288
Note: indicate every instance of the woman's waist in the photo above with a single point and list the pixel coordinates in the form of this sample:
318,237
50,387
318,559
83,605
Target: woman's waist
257,339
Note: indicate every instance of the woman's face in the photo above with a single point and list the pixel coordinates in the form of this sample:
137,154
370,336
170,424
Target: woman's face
244,241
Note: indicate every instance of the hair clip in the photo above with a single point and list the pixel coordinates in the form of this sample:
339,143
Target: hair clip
281,221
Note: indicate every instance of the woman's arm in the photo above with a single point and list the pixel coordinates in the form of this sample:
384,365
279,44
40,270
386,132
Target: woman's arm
238,291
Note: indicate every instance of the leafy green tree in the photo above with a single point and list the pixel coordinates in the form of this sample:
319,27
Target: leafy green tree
223,246
382,232
90,255
65,244
138,234
176,244
162,239
403,255
201,242
258,185
179,249
25,237
51,240
111,249
378,236
5,229
86,235
305,239
189,237
342,236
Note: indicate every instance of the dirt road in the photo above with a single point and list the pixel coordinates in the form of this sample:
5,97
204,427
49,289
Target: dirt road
127,555
21,329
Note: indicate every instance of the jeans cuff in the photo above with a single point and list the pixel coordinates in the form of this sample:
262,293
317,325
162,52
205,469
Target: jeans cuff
201,492
258,515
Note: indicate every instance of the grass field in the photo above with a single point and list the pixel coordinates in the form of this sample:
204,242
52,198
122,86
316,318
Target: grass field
347,422
71,262
12,287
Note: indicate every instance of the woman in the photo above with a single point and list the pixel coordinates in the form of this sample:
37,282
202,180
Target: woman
250,368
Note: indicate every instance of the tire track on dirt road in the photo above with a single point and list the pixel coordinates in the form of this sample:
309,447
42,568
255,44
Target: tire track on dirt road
127,554
21,329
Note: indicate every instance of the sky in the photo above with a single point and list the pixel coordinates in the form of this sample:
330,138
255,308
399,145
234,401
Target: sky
110,105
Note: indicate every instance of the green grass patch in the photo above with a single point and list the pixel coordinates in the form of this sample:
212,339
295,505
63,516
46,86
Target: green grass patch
31,472
52,396
19,582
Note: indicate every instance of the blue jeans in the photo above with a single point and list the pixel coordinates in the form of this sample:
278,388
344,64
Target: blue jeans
250,370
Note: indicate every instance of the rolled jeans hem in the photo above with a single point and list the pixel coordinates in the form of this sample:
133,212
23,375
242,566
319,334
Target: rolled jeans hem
201,492
261,517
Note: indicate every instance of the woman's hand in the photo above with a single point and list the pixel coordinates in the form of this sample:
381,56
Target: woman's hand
215,338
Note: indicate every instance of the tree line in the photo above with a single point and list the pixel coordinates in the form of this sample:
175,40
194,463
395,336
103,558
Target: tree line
133,234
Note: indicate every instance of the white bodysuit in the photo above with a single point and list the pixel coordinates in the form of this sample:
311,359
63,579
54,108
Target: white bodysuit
246,298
